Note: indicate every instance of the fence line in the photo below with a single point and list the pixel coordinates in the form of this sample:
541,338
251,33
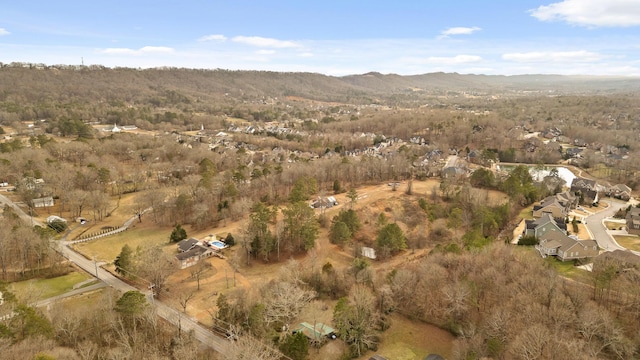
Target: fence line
110,232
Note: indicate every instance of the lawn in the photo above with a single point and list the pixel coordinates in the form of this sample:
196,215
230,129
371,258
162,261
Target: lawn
612,225
526,213
408,340
46,288
630,242
106,249
88,302
567,269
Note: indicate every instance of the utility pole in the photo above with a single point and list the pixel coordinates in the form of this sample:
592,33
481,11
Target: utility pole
95,264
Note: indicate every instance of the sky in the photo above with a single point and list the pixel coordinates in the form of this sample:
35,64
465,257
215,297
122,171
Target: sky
332,37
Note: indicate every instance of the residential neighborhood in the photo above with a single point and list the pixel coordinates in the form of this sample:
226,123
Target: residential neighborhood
555,215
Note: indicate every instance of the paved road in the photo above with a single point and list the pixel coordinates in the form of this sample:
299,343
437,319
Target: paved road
595,224
26,218
173,316
47,302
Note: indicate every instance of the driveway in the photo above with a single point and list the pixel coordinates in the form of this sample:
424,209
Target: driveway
599,232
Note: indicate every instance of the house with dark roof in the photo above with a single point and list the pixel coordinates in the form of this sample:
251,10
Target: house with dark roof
586,190
187,244
566,248
633,220
193,255
619,191
573,153
543,225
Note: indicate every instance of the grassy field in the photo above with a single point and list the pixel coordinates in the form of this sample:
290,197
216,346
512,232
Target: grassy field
47,288
630,242
104,297
408,340
567,269
106,249
526,213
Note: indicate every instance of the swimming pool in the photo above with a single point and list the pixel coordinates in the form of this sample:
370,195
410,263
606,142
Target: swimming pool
218,244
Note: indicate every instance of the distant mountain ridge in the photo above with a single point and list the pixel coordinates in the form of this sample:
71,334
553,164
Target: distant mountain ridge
96,82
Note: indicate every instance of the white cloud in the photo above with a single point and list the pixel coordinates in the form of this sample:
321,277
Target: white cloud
554,56
4,31
264,42
141,51
265,52
156,49
459,59
611,13
213,37
306,54
118,51
459,31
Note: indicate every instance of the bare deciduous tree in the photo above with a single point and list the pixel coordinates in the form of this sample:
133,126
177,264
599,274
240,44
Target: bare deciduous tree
248,347
284,300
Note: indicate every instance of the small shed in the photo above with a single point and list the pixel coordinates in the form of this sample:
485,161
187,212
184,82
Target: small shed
369,252
318,332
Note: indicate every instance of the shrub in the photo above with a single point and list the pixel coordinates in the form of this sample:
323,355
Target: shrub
229,240
528,240
58,225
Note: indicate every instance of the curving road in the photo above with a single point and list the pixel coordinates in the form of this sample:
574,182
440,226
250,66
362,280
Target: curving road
599,232
171,315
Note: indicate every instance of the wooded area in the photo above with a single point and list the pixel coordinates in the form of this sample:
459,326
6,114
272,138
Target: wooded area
212,148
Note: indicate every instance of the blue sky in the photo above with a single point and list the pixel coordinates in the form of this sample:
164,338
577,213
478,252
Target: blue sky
333,37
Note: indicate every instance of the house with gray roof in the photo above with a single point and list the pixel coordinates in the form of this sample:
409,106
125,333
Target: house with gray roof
546,223
558,205
619,191
566,248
